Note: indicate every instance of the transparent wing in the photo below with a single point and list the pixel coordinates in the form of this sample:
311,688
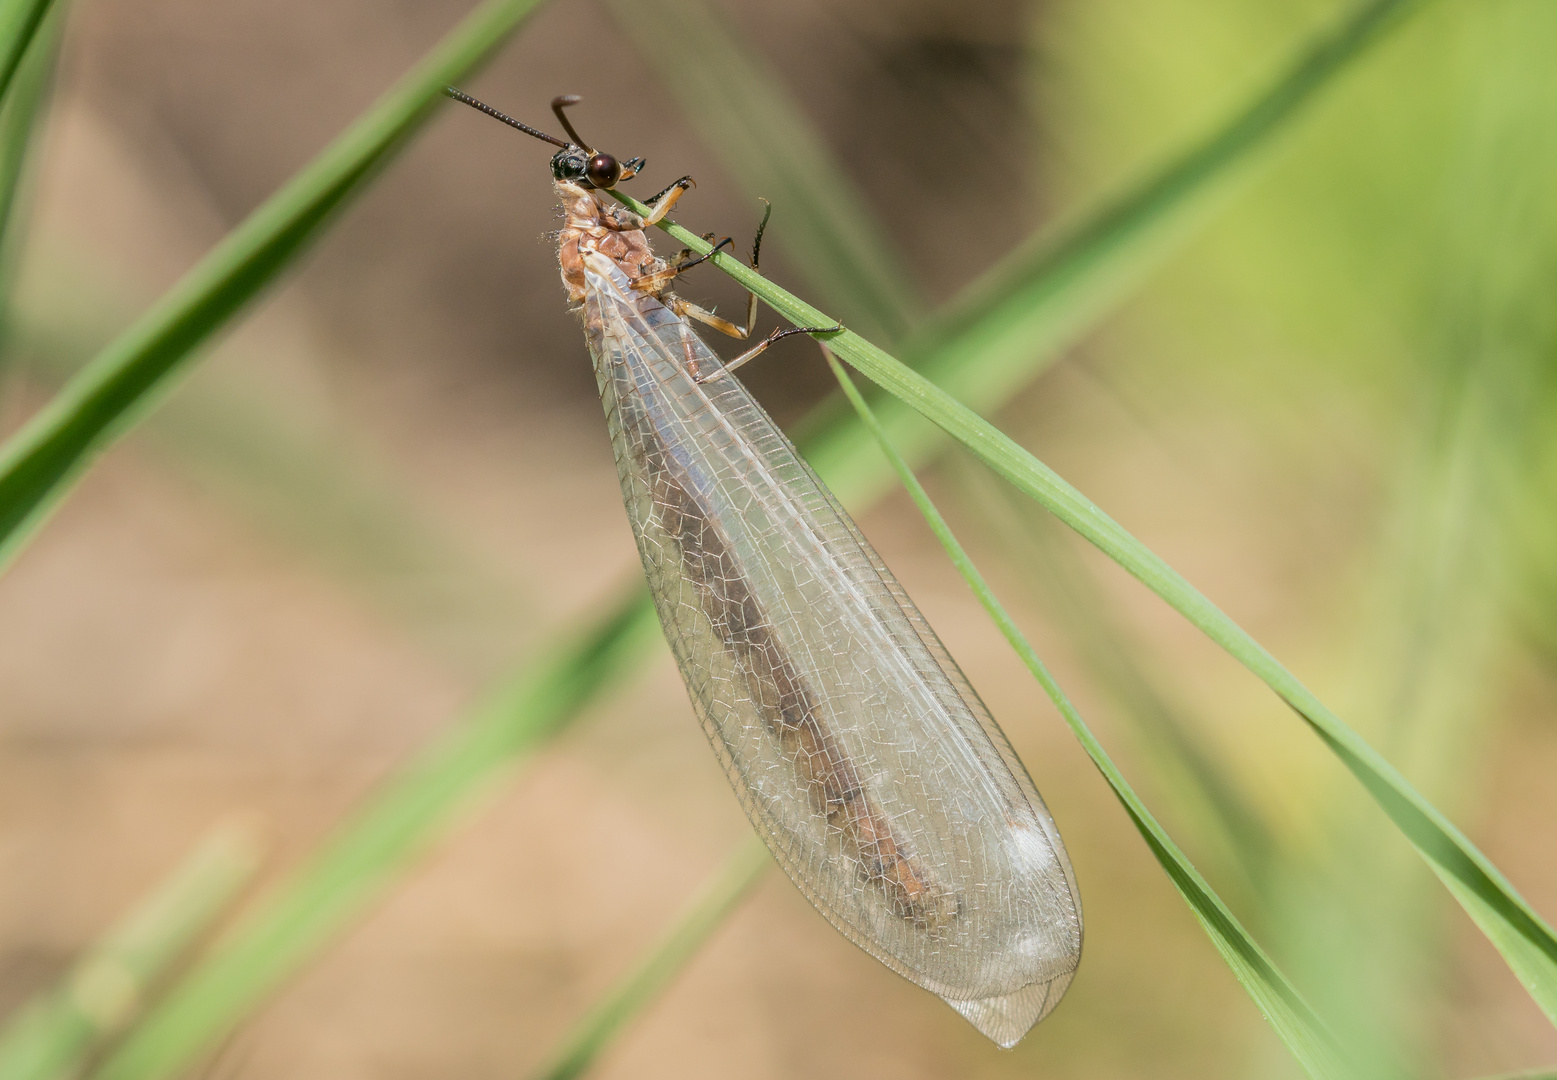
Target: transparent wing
862,756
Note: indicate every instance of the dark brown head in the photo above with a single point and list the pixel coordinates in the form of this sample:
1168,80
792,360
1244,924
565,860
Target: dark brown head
587,168
576,162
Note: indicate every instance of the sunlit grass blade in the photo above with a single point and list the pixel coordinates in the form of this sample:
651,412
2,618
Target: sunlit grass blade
369,853
371,850
288,471
659,965
1526,942
1278,1000
767,144
1012,322
38,464
19,22
52,1036
1081,609
18,117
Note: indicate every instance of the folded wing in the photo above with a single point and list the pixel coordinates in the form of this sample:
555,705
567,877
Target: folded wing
862,756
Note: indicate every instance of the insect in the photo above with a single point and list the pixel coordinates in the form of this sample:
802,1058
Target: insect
857,748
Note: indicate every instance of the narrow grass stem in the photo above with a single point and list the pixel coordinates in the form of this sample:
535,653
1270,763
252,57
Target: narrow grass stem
659,965
1527,943
19,22
370,850
40,462
53,1035
1304,1034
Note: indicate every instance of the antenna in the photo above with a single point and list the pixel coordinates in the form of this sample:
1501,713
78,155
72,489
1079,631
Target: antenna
481,106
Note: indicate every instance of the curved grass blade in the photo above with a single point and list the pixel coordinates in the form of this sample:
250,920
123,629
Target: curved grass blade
1249,846
371,850
53,1036
1278,1000
19,22
769,146
38,464
18,118
659,966
392,828
1035,306
1009,324
287,472
1528,945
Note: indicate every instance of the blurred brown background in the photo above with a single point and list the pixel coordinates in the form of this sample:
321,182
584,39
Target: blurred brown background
392,483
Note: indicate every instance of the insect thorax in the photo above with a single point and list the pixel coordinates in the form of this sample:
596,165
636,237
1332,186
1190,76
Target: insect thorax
593,221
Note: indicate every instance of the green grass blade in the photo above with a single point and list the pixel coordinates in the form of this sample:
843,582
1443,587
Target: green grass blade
1068,272
52,1036
1526,942
1019,316
1277,999
38,464
18,117
1073,596
19,22
288,472
371,850
767,145
659,966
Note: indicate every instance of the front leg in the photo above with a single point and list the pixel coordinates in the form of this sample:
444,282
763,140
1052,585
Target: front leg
666,199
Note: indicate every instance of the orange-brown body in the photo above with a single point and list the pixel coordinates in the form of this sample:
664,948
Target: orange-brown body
594,221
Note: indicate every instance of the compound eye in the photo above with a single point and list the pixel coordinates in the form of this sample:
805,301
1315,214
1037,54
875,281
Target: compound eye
568,164
603,170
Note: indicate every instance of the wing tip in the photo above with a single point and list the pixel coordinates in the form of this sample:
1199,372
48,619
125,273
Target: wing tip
1005,1018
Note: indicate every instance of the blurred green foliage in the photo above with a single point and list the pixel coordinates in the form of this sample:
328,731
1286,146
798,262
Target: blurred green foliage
1399,257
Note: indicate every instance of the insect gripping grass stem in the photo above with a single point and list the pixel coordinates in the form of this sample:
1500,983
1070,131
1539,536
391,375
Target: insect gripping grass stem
862,756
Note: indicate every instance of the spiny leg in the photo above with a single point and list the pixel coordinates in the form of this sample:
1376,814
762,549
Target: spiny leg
653,283
666,199
756,261
762,346
691,311
686,260
688,310
658,195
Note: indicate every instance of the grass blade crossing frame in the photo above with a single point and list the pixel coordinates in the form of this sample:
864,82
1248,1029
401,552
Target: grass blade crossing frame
38,464
653,973
50,1038
996,336
1526,942
371,850
18,117
368,851
19,22
1278,1000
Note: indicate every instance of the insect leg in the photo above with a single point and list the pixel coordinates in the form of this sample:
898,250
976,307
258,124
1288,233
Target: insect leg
724,326
666,199
687,261
756,252
740,332
654,283
689,310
